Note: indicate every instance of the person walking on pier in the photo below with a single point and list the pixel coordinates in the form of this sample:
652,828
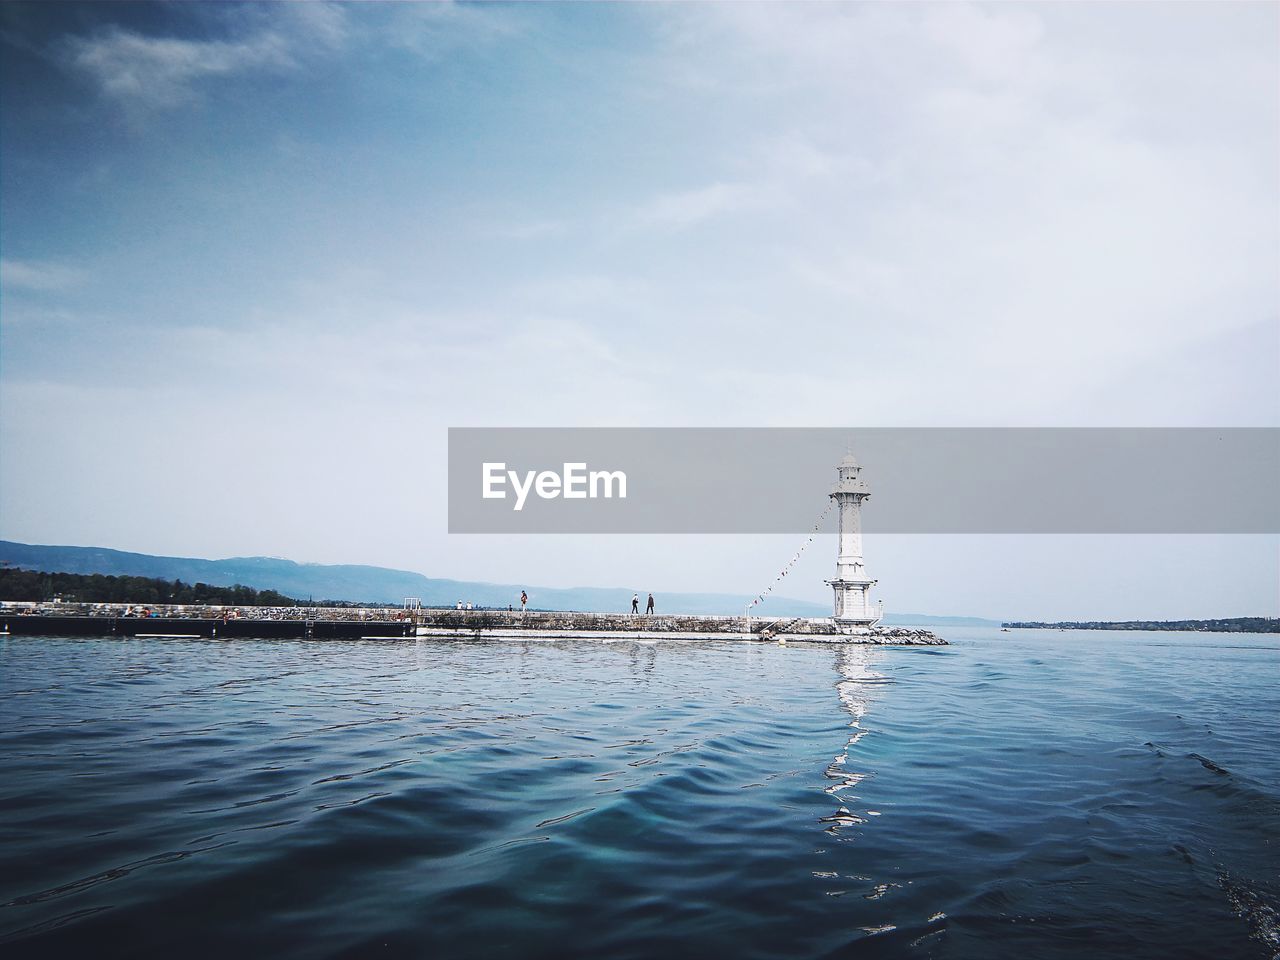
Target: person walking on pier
635,603
524,600
649,609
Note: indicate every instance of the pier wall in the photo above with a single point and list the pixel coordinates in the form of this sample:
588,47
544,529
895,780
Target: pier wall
89,626
545,621
392,623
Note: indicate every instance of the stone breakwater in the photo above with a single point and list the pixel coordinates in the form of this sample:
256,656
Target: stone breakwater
541,624
396,623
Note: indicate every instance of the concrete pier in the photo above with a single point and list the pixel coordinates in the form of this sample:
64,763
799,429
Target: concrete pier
105,620
193,627
500,624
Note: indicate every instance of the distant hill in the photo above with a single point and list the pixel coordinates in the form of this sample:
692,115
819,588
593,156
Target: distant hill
366,584
21,585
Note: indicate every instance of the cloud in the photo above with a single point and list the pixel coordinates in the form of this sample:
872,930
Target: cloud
983,204
434,29
764,178
145,72
526,229
149,72
162,71
685,208
38,276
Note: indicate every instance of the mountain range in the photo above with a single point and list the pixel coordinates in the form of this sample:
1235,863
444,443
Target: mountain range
369,584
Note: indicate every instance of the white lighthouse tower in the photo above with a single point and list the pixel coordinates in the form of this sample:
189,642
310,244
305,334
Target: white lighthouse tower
853,610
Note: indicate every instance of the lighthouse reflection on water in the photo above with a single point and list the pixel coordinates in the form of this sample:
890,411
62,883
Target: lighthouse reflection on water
857,678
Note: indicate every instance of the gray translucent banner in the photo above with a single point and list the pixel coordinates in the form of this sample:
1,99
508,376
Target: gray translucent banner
922,480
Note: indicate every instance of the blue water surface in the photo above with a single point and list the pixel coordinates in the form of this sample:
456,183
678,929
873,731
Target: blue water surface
1026,794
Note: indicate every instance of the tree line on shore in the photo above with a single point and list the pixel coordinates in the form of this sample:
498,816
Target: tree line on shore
40,586
1224,625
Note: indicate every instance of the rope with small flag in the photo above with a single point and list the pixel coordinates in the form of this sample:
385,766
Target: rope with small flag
817,525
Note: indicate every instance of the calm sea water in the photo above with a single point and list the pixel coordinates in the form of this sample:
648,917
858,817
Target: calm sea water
1025,794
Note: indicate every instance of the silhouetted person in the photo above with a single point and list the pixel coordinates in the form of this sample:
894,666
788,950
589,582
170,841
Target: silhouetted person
649,608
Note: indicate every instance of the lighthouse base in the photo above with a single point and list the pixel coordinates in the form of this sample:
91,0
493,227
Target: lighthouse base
855,628
854,613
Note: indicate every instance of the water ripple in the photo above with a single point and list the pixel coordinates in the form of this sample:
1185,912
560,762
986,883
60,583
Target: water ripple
1008,796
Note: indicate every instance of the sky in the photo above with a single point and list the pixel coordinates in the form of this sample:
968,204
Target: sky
257,259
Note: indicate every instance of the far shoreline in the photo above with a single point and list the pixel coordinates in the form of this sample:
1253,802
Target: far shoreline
1259,625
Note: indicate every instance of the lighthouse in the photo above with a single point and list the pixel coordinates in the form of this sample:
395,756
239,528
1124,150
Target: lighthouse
853,609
